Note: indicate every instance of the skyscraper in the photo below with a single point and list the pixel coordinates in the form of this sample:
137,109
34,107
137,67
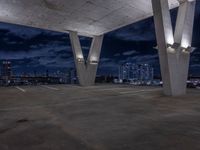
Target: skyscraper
6,72
130,72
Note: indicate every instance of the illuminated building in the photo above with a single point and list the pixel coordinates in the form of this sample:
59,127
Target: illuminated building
6,72
142,73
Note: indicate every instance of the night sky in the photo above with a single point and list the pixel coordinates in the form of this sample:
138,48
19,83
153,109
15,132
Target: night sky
31,49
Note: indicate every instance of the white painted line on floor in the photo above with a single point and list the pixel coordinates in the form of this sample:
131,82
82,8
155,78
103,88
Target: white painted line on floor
134,92
22,90
51,88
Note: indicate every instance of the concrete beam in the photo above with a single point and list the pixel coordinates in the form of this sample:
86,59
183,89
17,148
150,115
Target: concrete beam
86,69
174,51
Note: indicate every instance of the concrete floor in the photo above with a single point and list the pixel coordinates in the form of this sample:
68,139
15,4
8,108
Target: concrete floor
104,117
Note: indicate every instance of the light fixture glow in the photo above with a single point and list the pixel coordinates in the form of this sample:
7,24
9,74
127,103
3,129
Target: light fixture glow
79,56
81,60
171,50
170,40
93,60
185,51
185,43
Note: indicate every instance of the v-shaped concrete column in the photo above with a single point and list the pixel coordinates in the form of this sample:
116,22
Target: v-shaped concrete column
86,69
174,50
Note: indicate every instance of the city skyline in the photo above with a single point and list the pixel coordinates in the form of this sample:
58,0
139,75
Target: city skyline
35,49
99,74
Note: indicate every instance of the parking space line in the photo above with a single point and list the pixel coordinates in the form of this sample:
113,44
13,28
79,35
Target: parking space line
51,88
22,90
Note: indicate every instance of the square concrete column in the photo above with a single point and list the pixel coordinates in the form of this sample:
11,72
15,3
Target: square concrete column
174,50
86,69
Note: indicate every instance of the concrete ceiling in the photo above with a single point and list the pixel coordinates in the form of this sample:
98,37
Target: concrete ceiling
87,17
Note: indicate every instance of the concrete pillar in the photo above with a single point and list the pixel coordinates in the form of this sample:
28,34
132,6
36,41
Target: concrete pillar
86,69
174,50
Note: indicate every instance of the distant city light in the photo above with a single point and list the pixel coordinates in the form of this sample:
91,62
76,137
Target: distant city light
136,73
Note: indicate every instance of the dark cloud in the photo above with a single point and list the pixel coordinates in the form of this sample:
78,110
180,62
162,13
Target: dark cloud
35,49
128,53
134,32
